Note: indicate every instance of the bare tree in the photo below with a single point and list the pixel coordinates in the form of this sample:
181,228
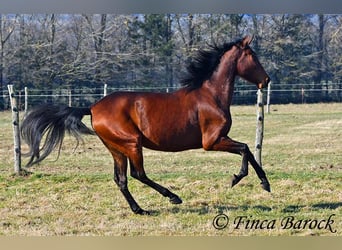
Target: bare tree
7,27
98,36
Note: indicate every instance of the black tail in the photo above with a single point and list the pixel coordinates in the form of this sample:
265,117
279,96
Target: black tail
52,122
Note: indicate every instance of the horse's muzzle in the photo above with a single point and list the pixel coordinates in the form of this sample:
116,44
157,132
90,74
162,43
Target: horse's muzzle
264,84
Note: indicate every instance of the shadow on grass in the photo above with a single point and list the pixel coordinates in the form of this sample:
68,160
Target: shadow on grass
292,208
204,209
219,208
327,205
222,209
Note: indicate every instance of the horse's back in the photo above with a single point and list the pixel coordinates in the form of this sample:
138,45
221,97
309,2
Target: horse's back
130,103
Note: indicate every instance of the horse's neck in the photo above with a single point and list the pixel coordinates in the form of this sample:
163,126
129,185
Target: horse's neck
222,80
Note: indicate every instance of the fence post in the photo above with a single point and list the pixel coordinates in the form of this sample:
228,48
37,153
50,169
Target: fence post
268,98
70,97
26,94
104,89
260,127
16,134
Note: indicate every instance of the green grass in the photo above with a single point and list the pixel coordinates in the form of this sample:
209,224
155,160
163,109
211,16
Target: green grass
302,155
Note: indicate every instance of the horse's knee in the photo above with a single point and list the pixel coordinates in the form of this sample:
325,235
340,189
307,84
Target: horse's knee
245,149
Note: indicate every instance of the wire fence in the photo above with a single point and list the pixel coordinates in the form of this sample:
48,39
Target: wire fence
22,100
243,95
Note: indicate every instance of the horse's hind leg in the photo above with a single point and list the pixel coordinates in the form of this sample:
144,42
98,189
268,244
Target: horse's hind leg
138,172
120,178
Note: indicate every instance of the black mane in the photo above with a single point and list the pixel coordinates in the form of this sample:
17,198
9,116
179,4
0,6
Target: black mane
204,64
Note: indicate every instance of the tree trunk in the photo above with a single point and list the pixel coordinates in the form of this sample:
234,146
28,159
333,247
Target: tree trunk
320,48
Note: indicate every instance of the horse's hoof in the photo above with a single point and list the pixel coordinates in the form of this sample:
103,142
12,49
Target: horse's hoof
266,185
175,200
235,180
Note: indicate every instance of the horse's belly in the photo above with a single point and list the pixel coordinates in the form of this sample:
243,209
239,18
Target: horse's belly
173,142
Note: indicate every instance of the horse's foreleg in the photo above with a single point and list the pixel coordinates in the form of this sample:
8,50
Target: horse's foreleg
259,171
229,145
138,172
243,171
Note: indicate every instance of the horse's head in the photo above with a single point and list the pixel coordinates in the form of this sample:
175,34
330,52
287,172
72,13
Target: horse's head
248,65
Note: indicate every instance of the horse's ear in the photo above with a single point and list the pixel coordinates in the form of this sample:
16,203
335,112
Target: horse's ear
246,41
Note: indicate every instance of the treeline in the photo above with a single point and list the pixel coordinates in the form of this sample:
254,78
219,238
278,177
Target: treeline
50,51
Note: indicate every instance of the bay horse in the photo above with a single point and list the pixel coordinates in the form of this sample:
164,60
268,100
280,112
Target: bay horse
195,116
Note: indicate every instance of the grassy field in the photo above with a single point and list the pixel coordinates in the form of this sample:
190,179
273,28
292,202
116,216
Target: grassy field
302,155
